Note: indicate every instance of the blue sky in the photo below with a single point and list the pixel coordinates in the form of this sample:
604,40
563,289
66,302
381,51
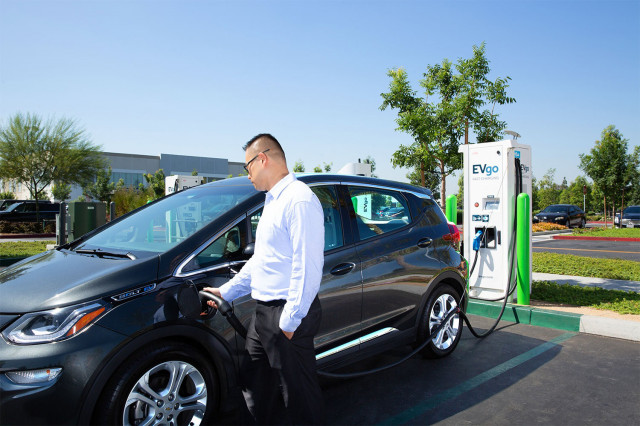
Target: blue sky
202,77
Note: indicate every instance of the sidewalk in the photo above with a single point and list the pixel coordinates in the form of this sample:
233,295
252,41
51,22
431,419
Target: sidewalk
589,282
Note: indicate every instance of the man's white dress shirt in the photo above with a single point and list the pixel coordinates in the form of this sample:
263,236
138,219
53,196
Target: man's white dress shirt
289,253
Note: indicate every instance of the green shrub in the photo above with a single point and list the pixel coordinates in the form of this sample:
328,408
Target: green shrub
128,199
27,227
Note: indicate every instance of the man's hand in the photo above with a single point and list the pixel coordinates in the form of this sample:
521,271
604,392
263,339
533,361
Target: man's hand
213,290
289,334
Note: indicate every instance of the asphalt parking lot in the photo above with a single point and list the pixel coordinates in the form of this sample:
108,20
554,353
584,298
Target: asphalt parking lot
521,374
599,249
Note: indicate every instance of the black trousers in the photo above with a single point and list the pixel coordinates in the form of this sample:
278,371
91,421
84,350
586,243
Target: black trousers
280,384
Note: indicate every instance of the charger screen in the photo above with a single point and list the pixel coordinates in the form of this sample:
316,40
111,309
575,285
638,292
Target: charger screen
491,204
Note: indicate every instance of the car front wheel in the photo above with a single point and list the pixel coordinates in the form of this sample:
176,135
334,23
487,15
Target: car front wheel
442,301
168,383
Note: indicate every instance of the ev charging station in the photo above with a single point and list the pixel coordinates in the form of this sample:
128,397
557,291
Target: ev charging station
490,181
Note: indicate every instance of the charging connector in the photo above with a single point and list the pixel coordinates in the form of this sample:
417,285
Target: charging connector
476,240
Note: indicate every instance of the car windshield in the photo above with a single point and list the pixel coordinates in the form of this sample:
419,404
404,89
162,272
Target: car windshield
161,226
556,209
632,209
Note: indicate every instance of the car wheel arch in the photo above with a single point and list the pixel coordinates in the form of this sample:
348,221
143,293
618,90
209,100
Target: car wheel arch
209,344
447,276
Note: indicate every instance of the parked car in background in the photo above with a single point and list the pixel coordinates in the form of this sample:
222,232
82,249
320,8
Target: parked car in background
25,211
92,331
630,217
568,215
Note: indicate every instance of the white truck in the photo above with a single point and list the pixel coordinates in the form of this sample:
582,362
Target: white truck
175,183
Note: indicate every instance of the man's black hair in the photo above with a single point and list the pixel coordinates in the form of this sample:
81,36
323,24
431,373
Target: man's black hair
267,136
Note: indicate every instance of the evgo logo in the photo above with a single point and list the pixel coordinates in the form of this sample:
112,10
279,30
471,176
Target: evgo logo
483,168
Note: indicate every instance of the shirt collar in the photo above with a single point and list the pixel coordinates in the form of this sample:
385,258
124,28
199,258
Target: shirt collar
279,187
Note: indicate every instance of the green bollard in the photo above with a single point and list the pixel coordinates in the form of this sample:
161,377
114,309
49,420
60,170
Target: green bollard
522,247
451,210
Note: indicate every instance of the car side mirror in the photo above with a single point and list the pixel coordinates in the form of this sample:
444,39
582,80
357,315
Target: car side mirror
249,249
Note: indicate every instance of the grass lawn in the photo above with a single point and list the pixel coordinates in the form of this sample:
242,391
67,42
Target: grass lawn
566,264
618,301
602,232
22,248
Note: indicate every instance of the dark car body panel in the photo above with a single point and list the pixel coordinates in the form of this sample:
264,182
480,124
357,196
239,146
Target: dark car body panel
25,211
378,283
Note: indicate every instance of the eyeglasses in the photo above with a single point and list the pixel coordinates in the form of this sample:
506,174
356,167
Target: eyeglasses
246,166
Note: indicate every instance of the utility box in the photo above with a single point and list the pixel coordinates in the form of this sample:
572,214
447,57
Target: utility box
489,206
85,217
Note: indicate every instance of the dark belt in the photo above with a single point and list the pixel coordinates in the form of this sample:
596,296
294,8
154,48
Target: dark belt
272,303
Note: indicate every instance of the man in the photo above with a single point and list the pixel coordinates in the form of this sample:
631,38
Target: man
283,276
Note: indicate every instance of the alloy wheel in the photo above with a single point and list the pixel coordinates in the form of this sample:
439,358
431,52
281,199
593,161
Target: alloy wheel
171,393
447,335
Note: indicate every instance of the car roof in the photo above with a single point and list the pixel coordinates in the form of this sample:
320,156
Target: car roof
338,178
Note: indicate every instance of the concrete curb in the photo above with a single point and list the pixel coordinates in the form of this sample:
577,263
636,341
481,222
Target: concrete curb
601,326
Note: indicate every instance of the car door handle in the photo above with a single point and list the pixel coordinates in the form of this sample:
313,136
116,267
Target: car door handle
425,242
343,268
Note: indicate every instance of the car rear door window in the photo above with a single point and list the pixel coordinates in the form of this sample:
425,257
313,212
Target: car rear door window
378,211
333,237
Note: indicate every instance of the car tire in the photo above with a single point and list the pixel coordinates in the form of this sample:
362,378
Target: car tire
441,301
583,223
165,383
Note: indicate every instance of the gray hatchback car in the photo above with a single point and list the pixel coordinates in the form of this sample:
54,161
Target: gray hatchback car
92,331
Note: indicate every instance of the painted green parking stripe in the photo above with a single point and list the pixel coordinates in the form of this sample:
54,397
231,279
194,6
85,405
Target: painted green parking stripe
413,412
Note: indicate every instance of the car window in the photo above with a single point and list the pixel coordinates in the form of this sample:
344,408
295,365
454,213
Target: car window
332,223
164,224
254,219
378,211
333,237
226,248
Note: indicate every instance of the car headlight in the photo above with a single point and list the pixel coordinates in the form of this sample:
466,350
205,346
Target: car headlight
54,325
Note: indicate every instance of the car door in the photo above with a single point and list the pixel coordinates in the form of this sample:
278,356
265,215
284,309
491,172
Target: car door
341,287
399,257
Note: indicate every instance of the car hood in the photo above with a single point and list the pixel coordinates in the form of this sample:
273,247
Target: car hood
59,278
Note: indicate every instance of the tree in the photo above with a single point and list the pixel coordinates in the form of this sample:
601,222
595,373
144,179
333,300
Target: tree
37,153
437,127
156,184
573,193
607,164
298,167
61,191
317,169
431,180
327,167
102,189
548,192
632,176
7,195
